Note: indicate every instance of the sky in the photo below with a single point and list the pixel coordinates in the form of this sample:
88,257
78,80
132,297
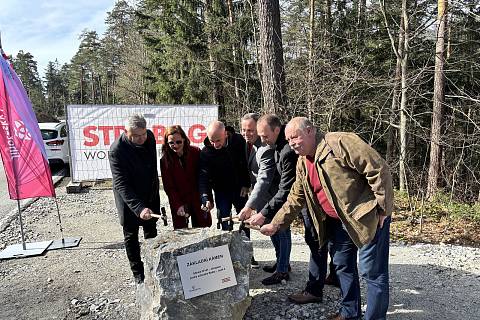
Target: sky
49,29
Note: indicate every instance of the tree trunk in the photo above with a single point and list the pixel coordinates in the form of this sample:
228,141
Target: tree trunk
234,53
438,99
403,52
360,12
93,87
217,93
311,62
327,30
396,93
271,56
362,4
81,85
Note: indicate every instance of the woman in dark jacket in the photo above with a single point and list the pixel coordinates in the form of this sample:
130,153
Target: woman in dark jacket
179,167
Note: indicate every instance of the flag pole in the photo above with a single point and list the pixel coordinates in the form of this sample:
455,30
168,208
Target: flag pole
21,225
59,221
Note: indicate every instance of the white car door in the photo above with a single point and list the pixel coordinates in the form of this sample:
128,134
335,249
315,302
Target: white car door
64,136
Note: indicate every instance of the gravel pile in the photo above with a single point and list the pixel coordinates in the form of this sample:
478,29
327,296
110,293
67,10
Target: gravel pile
93,281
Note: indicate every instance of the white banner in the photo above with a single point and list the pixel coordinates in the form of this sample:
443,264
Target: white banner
93,128
206,271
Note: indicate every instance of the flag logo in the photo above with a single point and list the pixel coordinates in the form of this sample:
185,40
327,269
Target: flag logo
21,131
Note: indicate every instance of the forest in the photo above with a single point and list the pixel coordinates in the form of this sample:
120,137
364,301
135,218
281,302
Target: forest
403,74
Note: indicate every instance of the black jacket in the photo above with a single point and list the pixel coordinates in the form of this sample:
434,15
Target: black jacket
286,160
224,169
135,178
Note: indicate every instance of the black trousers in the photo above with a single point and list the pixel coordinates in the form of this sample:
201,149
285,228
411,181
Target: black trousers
132,245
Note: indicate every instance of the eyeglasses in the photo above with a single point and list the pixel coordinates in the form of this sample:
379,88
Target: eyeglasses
178,142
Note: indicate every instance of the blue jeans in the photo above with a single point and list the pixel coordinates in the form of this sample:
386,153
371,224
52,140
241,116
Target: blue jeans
224,201
373,266
282,242
317,265
344,253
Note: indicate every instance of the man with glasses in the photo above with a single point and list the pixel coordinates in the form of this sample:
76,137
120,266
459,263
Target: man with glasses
223,169
133,162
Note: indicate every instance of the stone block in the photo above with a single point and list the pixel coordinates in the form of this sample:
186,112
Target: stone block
161,296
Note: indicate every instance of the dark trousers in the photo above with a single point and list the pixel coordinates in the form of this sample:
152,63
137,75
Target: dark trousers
224,201
317,265
132,245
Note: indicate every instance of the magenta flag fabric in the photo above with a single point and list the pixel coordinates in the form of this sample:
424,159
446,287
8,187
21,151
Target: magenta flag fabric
21,144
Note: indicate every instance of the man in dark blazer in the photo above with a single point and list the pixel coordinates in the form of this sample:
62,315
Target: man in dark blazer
272,134
223,169
133,162
261,167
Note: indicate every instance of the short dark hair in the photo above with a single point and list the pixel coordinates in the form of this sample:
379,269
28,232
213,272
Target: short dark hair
272,120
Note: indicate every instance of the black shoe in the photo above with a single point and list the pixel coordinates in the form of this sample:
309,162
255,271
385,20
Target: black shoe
276,278
254,264
272,269
139,278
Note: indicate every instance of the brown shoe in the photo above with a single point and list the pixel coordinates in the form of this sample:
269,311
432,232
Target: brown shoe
304,297
336,316
332,280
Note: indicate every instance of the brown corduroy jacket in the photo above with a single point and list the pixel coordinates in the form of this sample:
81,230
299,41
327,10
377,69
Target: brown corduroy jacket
356,180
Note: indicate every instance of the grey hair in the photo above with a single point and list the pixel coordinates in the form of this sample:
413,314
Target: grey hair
136,121
251,115
300,123
304,123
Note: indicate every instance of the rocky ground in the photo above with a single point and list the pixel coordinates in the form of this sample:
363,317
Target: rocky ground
93,280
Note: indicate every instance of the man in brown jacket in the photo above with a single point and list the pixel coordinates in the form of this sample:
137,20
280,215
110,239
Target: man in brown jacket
347,188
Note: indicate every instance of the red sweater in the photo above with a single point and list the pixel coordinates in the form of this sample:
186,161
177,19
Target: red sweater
318,189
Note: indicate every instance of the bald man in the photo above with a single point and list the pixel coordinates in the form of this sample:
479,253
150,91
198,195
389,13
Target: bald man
224,170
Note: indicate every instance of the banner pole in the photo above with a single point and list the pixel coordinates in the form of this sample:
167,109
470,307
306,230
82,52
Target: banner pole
21,224
59,220
69,132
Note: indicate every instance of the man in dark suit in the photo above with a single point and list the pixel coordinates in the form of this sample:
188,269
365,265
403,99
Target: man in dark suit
223,169
133,162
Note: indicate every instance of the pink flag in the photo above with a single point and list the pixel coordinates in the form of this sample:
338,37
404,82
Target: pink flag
21,144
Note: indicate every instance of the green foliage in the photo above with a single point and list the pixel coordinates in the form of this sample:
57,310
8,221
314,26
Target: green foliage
442,205
55,90
26,68
192,51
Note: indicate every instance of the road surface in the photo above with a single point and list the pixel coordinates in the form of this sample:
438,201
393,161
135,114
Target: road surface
6,204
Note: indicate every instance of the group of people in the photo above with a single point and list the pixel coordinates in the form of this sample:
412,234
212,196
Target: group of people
270,174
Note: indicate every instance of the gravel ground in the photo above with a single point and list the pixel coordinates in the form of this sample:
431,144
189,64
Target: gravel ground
93,280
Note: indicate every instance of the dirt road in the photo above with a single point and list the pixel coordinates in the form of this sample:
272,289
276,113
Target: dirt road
93,281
